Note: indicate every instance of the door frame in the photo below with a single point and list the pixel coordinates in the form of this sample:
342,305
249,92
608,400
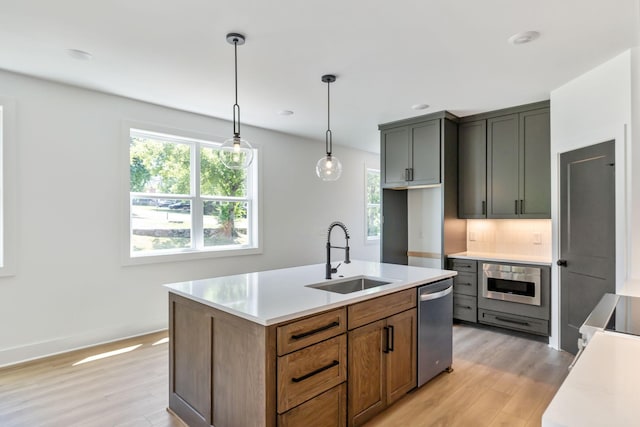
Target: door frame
619,135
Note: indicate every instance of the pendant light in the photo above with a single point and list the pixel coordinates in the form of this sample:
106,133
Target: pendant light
329,167
235,152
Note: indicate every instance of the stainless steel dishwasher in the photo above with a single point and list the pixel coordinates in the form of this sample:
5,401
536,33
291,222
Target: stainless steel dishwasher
435,329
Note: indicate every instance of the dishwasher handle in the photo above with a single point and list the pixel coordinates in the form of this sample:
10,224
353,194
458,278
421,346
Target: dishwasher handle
428,297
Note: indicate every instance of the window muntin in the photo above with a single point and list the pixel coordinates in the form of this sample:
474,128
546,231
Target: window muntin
373,210
183,199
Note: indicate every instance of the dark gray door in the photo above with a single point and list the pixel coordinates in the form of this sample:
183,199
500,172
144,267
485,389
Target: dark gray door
425,153
472,169
395,160
587,235
535,167
503,167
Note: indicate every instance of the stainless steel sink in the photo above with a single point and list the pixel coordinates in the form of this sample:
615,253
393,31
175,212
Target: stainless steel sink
348,286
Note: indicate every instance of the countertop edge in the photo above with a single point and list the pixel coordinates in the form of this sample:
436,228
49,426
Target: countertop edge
357,297
500,258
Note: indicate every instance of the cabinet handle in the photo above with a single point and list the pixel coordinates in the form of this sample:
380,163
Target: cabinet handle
521,206
406,174
315,331
517,322
393,337
465,284
386,340
317,371
484,207
466,307
516,207
411,173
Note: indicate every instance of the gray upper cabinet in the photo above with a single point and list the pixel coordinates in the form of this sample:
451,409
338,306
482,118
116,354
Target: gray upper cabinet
425,160
504,163
535,164
472,169
518,165
503,170
411,155
395,143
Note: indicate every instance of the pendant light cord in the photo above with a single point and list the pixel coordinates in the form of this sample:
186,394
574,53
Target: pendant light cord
328,139
236,107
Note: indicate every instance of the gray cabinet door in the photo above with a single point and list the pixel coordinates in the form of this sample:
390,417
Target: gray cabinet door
425,153
472,169
535,164
503,167
395,145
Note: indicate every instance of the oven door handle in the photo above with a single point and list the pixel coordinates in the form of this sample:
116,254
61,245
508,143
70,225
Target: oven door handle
435,295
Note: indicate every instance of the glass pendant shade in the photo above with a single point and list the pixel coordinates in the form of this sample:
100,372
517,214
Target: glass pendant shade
236,153
329,168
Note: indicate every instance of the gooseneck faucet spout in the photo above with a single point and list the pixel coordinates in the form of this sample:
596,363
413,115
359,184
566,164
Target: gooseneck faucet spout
329,269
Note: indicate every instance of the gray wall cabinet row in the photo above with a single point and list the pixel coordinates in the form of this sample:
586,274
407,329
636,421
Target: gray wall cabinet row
504,164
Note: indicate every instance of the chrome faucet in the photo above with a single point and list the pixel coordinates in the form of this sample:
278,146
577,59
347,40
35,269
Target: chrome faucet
329,269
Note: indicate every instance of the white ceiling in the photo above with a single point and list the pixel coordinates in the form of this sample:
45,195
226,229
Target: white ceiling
387,54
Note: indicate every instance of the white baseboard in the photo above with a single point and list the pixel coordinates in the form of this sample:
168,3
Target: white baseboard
42,349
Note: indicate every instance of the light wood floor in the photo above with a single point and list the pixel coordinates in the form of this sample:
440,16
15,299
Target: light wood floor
499,379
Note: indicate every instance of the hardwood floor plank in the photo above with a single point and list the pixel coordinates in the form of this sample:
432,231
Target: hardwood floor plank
499,379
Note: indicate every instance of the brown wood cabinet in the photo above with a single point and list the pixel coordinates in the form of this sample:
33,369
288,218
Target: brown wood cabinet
226,371
382,357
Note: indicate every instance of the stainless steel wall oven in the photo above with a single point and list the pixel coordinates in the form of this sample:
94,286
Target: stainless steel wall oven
514,283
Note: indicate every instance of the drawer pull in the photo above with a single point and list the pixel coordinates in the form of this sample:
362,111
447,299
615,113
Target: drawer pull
517,322
317,371
462,283
315,331
466,307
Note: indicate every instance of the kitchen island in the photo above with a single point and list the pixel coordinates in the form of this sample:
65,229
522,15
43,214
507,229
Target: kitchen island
267,349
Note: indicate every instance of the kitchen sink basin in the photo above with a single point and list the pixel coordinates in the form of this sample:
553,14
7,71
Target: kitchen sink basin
348,286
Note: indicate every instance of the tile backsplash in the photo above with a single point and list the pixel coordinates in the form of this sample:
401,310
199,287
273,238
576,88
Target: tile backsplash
510,236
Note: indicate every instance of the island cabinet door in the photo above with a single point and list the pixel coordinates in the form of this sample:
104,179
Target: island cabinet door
401,356
366,377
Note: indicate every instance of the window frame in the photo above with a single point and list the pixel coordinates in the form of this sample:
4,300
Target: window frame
8,188
367,205
195,142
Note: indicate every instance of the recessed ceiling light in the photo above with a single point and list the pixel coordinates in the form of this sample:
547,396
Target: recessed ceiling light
285,113
420,106
524,37
80,55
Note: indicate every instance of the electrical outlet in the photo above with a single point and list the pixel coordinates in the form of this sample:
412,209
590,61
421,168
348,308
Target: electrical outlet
472,236
537,238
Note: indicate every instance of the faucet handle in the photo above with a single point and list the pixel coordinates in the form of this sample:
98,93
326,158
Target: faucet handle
335,270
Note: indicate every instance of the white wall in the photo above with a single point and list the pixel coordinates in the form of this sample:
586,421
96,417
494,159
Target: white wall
71,289
594,108
424,225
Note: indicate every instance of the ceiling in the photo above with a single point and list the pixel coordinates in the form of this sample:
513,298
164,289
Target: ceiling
388,55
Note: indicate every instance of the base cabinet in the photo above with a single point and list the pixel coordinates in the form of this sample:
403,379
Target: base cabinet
326,410
465,289
332,369
382,364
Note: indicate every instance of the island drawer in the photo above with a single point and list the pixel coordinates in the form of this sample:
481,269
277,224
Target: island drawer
369,311
463,265
513,321
465,307
305,332
326,410
306,373
465,283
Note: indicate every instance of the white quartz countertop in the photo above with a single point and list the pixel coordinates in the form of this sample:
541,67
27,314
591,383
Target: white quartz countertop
275,296
494,256
602,387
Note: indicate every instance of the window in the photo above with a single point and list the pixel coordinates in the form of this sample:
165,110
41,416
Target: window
182,199
373,204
